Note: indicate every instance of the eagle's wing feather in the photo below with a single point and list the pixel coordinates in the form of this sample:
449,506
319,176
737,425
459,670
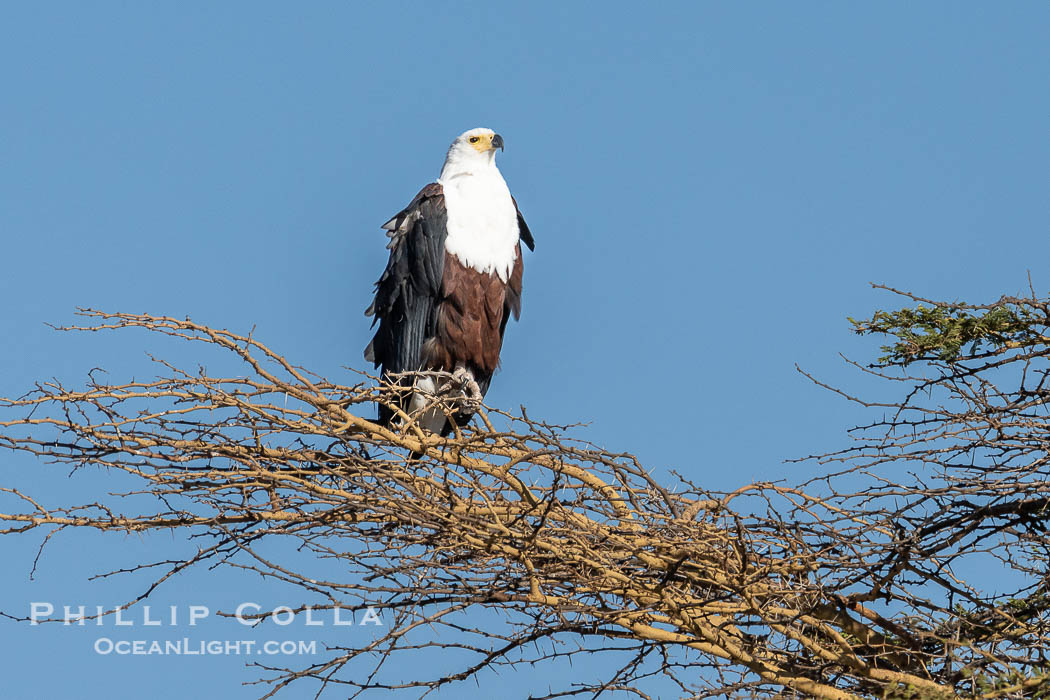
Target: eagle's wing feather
523,228
409,289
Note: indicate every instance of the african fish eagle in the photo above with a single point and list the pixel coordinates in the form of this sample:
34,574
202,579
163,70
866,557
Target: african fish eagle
452,281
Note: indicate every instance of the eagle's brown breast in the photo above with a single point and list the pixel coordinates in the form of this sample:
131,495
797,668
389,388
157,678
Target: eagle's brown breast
471,315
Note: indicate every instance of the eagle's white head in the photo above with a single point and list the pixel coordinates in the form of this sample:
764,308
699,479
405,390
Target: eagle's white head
472,152
482,218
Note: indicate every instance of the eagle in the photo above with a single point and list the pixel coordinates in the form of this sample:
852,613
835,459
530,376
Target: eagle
452,282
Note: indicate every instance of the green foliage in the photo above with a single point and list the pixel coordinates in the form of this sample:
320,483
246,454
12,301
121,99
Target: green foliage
900,691
1005,621
1032,682
950,332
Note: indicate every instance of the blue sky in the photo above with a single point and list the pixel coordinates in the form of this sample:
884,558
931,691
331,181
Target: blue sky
712,187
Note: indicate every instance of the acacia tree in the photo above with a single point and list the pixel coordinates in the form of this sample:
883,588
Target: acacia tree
844,586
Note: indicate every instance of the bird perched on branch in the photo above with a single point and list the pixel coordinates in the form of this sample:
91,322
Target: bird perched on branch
452,282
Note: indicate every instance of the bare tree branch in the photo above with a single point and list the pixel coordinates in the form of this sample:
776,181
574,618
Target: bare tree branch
844,586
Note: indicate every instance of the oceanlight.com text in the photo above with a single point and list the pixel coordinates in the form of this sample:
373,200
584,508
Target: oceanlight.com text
202,647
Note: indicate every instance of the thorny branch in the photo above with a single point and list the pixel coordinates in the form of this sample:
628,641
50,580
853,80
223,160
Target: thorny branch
841,587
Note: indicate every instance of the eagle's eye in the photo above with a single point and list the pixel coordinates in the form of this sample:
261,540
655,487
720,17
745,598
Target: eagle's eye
473,139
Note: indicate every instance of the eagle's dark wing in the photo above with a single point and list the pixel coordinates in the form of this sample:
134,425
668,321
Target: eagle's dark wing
512,297
408,292
512,304
523,230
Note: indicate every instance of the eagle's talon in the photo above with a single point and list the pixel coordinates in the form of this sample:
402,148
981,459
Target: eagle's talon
472,394
468,389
